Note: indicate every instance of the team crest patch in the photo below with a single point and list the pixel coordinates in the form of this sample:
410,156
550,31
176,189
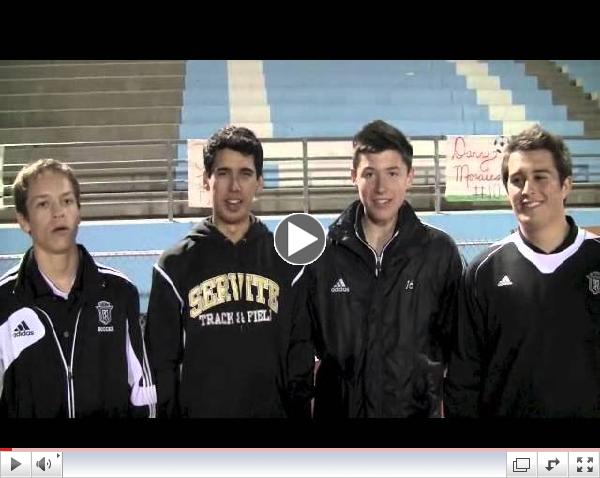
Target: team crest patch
104,309
594,282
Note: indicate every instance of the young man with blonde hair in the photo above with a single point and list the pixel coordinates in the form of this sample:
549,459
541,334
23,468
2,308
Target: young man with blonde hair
70,337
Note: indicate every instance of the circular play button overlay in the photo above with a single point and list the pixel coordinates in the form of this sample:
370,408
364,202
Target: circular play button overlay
299,239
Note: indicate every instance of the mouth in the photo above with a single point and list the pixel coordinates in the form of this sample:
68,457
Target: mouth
233,202
60,229
382,202
528,205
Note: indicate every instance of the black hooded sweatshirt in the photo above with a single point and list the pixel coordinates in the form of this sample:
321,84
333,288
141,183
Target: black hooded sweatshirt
222,336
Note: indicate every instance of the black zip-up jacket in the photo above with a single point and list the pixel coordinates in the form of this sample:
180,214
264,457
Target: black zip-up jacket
222,333
105,372
381,325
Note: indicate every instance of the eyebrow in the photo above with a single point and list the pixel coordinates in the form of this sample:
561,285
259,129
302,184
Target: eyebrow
391,168
46,195
535,171
226,169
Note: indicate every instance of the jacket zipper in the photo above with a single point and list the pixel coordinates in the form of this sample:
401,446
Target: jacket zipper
71,384
378,259
68,368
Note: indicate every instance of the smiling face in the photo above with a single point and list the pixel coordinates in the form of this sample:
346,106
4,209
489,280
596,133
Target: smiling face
233,184
382,180
535,190
53,215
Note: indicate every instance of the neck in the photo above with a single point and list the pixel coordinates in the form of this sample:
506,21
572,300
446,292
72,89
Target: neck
233,232
61,269
548,238
377,235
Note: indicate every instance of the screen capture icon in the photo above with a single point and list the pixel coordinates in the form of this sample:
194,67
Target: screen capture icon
521,464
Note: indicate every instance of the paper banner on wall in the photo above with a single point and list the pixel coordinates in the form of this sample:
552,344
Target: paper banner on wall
197,196
473,168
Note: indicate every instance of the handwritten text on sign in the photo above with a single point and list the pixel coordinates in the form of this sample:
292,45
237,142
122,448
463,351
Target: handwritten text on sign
473,168
197,196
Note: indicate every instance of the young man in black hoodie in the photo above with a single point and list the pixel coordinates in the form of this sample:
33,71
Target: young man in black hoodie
223,334
70,337
383,294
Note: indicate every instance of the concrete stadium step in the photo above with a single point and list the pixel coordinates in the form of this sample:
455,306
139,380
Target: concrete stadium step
101,153
63,134
92,194
583,107
81,117
98,190
94,99
564,91
64,62
71,85
93,172
536,66
66,70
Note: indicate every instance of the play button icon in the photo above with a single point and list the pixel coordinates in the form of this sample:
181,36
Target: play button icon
15,464
299,239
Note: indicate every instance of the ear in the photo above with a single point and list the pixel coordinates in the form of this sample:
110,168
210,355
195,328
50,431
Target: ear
261,184
353,176
567,186
205,181
410,176
23,223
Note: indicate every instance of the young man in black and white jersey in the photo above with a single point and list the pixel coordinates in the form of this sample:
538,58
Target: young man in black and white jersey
527,341
70,337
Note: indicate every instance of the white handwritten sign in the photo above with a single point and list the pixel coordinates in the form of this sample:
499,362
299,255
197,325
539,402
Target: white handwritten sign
197,196
473,168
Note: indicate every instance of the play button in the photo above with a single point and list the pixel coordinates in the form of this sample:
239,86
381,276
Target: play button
299,239
15,464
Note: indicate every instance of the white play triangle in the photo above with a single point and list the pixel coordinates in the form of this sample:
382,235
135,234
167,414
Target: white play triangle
298,239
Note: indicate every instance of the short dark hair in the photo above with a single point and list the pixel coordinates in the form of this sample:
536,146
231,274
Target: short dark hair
238,139
20,187
534,138
378,136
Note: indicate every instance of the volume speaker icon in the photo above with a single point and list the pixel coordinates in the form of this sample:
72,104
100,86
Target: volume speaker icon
43,463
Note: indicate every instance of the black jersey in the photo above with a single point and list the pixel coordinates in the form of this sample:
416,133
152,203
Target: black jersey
527,341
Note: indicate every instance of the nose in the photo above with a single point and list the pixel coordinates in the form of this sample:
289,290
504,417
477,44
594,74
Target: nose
235,183
527,187
379,184
57,209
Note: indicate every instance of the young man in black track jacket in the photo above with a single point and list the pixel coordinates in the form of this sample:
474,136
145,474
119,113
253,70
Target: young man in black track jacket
70,337
223,331
383,294
527,342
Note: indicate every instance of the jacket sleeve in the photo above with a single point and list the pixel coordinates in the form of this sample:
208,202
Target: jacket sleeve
463,381
300,357
164,338
445,317
142,402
